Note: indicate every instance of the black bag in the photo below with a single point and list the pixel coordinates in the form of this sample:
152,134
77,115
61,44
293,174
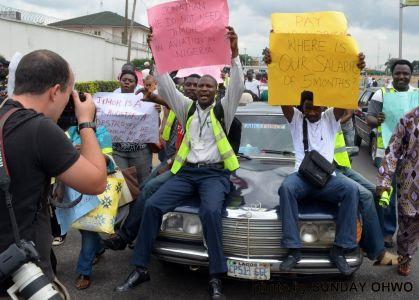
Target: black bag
235,133
314,167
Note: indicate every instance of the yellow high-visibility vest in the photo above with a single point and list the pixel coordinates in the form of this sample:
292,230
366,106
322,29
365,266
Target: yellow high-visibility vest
341,155
230,160
380,142
168,126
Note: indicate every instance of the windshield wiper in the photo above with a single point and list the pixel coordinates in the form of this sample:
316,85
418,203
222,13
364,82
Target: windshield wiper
283,152
244,156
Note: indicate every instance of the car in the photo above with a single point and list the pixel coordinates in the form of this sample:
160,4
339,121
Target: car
363,131
252,228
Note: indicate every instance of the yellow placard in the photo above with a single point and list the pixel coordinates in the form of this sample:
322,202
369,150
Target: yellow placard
327,22
323,64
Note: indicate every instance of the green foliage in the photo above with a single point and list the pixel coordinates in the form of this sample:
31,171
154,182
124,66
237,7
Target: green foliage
245,59
96,86
139,63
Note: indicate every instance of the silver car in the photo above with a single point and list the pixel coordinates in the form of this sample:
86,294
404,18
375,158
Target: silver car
252,229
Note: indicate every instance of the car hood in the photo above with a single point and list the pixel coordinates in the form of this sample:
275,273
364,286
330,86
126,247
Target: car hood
255,186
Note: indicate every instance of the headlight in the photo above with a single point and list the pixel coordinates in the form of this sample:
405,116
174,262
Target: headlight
317,233
181,225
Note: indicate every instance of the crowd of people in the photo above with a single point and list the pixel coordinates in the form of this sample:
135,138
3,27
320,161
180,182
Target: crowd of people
197,158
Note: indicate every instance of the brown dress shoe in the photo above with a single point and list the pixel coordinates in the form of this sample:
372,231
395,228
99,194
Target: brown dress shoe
82,282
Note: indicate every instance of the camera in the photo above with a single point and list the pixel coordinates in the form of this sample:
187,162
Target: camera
68,117
29,281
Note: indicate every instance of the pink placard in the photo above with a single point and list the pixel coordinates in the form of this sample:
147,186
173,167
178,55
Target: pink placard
189,33
214,71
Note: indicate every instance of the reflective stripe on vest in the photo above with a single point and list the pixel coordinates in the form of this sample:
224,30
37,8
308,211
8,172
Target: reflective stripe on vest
341,156
227,154
168,126
380,142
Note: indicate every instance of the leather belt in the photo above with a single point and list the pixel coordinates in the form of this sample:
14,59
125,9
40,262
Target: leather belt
219,165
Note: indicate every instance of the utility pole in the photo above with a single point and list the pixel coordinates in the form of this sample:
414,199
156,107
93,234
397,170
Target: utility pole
401,29
125,35
130,32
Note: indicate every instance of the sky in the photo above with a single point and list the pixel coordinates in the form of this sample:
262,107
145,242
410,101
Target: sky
373,23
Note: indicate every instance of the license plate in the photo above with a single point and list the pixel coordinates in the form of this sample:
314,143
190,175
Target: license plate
248,270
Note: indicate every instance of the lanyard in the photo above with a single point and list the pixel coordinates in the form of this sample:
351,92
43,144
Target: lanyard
201,125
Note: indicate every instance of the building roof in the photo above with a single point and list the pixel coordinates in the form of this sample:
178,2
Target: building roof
106,18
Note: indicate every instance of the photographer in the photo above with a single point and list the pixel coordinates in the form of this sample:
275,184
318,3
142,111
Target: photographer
36,149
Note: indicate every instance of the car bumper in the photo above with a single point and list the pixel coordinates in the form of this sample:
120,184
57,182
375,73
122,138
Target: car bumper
196,255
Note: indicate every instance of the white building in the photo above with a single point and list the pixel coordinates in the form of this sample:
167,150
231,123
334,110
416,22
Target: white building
108,25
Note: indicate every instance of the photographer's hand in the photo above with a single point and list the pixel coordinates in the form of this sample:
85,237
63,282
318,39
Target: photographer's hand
85,111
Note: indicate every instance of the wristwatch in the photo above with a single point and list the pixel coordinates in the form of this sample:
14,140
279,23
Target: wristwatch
87,125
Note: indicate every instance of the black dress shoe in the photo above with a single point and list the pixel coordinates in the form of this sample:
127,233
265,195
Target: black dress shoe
338,257
115,243
215,289
294,256
136,277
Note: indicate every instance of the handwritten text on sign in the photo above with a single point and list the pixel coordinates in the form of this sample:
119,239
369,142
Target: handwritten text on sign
323,64
189,34
328,22
127,118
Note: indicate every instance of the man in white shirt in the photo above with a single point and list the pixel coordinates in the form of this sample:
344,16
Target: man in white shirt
252,84
201,169
322,126
401,71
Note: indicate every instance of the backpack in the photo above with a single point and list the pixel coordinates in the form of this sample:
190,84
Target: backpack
234,135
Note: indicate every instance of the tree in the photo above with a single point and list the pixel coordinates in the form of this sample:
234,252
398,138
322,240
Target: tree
139,63
415,64
388,65
245,59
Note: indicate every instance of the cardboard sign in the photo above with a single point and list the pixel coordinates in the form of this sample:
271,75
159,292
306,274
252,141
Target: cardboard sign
395,106
214,71
327,22
127,118
323,64
189,34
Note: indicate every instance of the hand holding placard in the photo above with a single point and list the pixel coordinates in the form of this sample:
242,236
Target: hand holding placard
189,34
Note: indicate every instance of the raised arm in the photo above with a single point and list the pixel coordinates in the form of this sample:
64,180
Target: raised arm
235,89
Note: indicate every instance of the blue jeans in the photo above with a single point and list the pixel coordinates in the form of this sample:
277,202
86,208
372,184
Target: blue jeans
129,229
338,189
212,186
90,246
388,215
372,240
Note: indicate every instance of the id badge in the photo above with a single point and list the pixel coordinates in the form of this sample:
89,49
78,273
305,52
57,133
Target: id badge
199,145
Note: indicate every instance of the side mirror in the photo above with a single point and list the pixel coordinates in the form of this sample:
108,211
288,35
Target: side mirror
352,151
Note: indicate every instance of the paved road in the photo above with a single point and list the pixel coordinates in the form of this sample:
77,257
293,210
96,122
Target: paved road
170,282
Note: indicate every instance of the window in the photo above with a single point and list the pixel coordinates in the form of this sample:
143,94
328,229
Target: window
97,32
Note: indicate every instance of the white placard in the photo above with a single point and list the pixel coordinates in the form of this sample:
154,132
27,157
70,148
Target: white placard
127,118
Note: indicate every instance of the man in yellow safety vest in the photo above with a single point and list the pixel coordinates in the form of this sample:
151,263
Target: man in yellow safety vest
401,71
201,169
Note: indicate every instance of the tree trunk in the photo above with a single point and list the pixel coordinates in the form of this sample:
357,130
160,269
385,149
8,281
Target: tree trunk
125,35
130,32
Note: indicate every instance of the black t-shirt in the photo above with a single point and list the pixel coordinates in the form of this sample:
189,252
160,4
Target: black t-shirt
36,149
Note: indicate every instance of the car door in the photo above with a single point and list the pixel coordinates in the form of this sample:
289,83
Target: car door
363,130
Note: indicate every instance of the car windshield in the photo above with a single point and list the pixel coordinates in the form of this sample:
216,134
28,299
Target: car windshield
265,134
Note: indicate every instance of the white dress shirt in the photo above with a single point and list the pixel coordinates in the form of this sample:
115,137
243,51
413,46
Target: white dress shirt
203,148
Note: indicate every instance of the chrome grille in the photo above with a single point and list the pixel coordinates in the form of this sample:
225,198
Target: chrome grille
252,237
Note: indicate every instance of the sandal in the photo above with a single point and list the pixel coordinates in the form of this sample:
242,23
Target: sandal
57,241
82,282
404,265
387,259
